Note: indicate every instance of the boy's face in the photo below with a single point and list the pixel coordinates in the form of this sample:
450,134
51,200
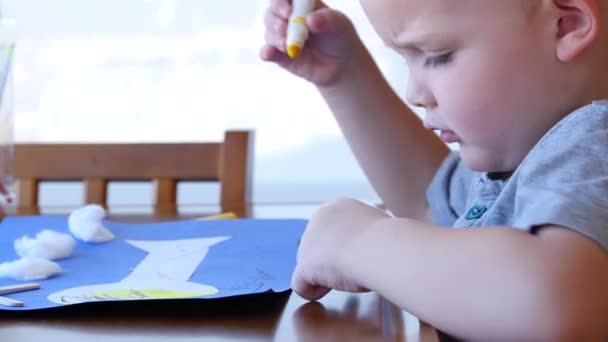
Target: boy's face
484,70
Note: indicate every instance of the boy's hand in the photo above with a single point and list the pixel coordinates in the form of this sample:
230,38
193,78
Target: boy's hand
326,244
332,43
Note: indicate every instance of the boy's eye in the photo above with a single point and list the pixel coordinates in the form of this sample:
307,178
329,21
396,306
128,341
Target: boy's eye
434,61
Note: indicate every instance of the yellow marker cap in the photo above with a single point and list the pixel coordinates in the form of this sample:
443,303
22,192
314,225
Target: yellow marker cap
293,51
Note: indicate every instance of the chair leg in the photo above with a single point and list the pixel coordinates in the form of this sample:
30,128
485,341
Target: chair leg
27,196
96,191
165,201
236,171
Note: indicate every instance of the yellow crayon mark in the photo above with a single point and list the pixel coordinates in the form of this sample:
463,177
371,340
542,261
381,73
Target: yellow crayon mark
223,216
130,294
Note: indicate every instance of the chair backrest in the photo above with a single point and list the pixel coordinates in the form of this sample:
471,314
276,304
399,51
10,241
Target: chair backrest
228,162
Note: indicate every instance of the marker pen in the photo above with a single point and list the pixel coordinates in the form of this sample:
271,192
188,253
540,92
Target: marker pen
297,31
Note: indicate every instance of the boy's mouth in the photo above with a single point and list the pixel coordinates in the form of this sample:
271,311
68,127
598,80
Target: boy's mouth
448,137
445,135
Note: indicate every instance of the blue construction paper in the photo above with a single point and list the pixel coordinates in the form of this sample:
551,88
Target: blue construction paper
260,255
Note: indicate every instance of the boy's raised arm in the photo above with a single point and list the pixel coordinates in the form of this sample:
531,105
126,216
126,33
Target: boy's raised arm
398,155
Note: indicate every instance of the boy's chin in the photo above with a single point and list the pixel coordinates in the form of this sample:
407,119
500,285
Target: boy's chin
484,160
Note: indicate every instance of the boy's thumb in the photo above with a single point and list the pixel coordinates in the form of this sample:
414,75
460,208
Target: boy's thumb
327,20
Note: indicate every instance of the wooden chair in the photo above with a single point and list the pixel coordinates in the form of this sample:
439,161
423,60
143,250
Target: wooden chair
228,162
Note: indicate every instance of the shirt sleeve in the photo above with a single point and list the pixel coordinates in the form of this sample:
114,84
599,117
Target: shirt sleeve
565,180
448,191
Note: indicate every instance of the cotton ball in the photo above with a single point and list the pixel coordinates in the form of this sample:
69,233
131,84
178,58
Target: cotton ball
90,231
29,269
48,244
85,224
90,212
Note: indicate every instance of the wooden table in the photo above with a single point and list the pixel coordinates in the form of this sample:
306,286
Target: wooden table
268,317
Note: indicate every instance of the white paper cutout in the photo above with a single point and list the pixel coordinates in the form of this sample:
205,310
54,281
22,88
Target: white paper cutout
163,274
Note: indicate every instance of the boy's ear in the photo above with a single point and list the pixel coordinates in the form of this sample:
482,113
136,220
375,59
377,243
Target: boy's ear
579,25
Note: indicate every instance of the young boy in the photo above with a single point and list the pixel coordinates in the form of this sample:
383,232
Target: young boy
519,84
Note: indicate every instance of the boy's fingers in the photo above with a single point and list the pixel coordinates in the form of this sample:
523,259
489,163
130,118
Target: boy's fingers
283,8
305,290
275,40
270,53
320,4
267,53
275,24
327,20
280,8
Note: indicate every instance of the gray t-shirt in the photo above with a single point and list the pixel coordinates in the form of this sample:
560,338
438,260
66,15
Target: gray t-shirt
562,181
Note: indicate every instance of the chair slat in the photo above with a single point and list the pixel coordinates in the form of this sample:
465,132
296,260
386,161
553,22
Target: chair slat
228,162
118,161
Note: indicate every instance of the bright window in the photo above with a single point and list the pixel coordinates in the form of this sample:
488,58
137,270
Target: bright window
182,70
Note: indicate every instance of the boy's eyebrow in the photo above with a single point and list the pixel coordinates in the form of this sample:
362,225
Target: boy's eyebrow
415,42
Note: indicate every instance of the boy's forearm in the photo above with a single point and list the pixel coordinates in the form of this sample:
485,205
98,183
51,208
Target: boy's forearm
398,155
477,284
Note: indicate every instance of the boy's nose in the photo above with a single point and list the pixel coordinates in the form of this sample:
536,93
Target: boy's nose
419,95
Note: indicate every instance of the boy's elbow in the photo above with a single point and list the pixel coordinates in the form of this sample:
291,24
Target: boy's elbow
570,328
570,282
575,314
